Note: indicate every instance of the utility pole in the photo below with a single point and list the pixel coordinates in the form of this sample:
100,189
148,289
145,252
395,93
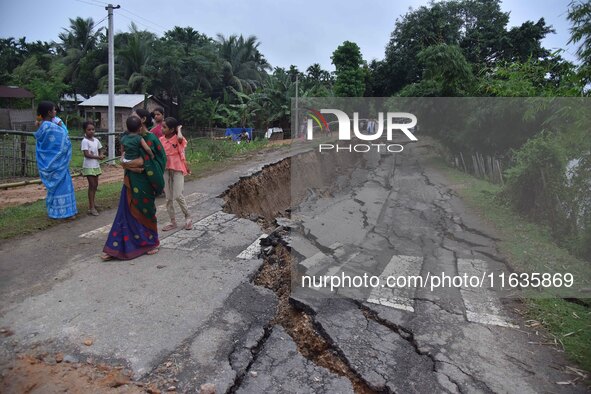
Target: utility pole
297,115
111,112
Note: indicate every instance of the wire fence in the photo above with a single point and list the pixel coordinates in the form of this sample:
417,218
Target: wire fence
17,156
17,153
484,167
17,148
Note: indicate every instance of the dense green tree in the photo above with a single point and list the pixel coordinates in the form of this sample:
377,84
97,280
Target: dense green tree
350,76
413,32
199,110
317,82
532,78
478,27
27,72
314,72
377,79
14,53
445,73
11,56
44,84
482,32
579,14
279,89
184,68
525,42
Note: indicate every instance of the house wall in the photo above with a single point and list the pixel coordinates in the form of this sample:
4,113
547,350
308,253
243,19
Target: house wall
4,119
151,105
121,114
21,115
22,119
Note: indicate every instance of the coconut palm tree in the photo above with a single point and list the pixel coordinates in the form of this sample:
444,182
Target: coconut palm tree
133,56
77,42
243,66
187,37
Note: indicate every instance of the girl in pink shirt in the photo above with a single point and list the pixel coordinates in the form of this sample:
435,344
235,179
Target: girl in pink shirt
174,176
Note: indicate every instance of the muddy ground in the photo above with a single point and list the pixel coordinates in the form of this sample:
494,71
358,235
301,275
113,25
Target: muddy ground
51,374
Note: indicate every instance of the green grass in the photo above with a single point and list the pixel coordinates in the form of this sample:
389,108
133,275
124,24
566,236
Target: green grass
569,324
204,155
202,150
77,158
530,248
30,218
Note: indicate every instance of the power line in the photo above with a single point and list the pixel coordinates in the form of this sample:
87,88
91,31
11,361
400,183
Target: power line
162,28
99,22
86,2
142,24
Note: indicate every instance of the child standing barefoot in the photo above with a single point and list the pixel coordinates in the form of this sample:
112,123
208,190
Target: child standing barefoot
174,177
91,167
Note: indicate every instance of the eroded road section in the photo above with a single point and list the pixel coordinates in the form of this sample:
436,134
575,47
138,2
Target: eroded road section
222,307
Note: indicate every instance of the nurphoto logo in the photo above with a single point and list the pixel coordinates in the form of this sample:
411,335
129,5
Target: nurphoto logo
394,121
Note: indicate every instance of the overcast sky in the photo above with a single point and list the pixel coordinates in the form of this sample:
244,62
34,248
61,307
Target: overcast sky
299,32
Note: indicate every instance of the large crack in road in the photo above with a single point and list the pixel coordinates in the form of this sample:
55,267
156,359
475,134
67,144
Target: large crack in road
206,311
392,208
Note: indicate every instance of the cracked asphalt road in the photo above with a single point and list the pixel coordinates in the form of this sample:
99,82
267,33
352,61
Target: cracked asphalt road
192,314
395,216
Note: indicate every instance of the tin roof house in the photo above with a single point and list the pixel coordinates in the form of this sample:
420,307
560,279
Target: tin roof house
97,108
17,108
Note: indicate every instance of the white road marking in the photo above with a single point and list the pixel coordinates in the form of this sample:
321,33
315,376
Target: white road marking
320,261
314,261
101,231
216,218
482,304
253,250
96,233
399,298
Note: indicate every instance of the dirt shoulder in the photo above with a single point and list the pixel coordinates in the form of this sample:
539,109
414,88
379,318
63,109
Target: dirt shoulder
31,193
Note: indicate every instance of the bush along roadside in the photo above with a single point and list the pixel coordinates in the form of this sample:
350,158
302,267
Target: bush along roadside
549,187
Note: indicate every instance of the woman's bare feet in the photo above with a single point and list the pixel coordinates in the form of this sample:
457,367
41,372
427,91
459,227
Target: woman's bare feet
106,257
169,226
153,251
189,224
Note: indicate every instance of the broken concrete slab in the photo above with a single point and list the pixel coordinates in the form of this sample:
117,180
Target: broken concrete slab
224,346
280,368
383,358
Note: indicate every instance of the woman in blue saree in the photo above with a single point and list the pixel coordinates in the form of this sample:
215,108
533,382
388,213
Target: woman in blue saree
134,231
54,152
